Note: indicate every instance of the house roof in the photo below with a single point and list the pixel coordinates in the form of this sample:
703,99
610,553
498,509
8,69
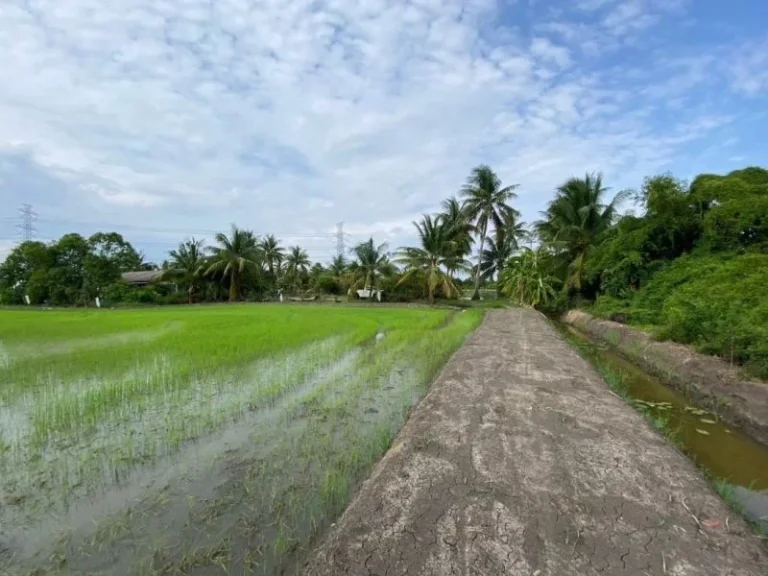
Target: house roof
142,276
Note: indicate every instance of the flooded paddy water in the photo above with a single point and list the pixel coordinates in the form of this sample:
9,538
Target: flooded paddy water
737,465
161,470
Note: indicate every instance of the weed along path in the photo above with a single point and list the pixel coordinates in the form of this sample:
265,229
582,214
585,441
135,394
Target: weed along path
520,460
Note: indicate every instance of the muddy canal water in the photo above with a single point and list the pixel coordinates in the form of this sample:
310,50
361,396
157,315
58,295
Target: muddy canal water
722,451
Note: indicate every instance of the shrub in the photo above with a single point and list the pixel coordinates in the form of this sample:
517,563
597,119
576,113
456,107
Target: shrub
716,302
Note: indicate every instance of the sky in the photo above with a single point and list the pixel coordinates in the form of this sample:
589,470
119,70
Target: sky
164,119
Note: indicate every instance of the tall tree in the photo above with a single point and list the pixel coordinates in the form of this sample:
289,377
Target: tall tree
234,256
460,229
501,247
187,265
273,254
371,262
486,203
109,255
338,266
297,265
575,219
24,272
68,273
431,258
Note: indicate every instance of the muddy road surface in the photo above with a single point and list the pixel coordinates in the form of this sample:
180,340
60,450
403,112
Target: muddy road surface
521,461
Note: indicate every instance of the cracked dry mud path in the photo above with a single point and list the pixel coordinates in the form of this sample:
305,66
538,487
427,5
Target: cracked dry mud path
522,461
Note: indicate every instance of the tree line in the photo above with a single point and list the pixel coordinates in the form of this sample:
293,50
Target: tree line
588,248
241,265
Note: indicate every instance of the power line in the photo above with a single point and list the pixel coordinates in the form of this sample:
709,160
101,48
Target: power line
181,231
26,226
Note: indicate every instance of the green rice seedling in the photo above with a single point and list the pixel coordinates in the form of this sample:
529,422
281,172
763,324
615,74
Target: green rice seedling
307,397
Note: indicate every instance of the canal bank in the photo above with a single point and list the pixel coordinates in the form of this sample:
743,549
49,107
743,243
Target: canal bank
709,382
736,464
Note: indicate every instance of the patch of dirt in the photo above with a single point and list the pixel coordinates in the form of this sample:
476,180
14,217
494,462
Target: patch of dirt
706,380
522,461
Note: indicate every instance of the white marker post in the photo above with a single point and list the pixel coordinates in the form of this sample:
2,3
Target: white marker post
98,302
26,299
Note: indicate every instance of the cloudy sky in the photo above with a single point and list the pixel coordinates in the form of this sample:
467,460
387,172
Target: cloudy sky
166,118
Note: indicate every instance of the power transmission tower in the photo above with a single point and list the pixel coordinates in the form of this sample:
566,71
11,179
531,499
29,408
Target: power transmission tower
340,239
27,219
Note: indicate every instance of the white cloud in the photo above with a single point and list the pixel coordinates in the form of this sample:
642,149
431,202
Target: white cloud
747,67
294,115
544,49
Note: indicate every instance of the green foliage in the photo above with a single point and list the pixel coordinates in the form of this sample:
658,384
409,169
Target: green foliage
573,224
695,264
501,247
109,255
235,257
297,265
716,302
454,216
371,263
735,209
71,271
188,264
526,281
327,283
430,261
486,203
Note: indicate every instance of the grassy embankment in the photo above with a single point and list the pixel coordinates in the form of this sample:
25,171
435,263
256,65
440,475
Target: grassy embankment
715,302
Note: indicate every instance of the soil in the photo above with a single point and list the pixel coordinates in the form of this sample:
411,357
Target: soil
706,380
522,461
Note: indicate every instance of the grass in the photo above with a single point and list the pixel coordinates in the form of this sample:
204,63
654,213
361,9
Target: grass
297,402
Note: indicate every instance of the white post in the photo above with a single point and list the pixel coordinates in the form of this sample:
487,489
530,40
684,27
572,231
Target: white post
26,299
98,302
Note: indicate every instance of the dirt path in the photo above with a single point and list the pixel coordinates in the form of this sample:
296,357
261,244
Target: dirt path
522,461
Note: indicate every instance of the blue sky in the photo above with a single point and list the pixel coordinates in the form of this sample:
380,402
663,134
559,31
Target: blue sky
165,118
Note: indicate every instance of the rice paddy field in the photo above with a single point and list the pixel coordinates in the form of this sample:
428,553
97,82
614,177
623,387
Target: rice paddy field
199,440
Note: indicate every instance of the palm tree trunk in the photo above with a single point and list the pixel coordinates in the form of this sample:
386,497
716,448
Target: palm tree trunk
499,270
476,293
430,290
189,293
232,286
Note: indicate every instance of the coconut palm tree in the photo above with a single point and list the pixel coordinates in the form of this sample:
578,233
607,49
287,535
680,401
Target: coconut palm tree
297,264
338,266
501,246
525,278
486,203
234,256
431,258
371,262
460,229
187,264
575,219
272,253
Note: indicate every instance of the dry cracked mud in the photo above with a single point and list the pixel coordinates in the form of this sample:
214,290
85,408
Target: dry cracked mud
521,461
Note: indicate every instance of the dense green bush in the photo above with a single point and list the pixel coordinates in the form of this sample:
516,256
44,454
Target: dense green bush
717,302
